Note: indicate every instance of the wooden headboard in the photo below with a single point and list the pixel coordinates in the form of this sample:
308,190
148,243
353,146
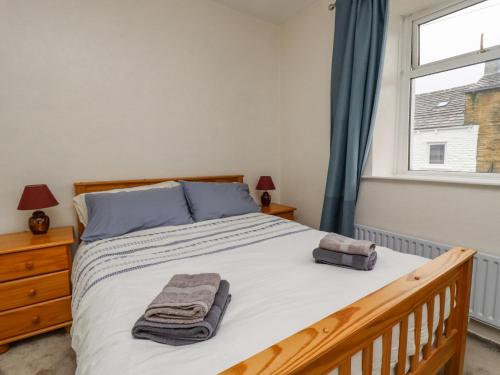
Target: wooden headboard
96,186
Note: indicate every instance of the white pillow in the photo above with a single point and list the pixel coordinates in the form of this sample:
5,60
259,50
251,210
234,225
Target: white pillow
81,206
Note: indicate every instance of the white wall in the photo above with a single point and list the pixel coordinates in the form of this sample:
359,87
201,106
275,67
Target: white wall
460,148
455,214
305,116
119,89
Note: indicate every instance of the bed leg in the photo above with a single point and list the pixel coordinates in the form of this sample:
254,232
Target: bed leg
455,365
4,348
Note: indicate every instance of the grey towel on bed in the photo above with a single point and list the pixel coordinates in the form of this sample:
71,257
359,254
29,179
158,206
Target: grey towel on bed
337,258
184,334
337,242
185,299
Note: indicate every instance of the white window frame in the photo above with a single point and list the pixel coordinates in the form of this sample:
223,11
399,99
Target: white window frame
409,69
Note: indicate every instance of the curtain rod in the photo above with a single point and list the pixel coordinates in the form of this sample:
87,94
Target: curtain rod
331,7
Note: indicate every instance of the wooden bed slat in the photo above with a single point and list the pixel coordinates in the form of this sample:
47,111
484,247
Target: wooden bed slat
386,352
418,330
430,325
345,367
439,332
403,343
451,318
368,359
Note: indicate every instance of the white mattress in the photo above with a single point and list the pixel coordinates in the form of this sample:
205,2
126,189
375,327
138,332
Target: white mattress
276,288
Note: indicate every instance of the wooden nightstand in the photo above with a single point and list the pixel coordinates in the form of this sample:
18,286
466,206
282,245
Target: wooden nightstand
35,291
276,209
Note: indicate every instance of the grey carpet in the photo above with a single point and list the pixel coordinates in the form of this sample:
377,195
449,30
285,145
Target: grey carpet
482,358
51,354
47,354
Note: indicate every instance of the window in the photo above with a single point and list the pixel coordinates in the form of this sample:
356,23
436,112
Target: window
451,77
436,153
459,32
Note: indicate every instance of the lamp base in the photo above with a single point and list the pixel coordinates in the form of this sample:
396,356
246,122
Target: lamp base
265,199
39,222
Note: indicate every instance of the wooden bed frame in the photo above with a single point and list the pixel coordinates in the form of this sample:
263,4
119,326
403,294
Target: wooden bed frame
331,343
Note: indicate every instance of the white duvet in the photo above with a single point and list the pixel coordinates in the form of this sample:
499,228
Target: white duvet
276,288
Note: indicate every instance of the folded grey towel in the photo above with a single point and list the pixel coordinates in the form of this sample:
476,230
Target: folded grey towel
184,334
337,242
337,258
185,299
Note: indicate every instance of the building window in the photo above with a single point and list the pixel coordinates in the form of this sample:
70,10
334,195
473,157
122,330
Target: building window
436,153
451,77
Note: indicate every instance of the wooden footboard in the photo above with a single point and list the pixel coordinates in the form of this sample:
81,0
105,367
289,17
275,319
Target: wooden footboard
332,342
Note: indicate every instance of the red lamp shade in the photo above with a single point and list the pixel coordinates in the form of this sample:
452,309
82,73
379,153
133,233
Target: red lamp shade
35,197
265,183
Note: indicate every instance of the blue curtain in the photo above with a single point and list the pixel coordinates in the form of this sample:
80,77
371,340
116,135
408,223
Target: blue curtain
356,68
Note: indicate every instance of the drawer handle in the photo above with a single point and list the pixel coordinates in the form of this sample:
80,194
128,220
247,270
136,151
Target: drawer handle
35,320
32,292
29,265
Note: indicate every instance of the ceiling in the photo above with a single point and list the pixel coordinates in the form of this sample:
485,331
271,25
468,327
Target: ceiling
275,11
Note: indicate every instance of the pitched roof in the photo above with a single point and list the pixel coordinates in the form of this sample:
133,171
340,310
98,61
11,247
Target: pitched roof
440,109
487,82
446,108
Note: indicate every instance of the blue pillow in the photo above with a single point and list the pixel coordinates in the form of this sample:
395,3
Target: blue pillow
114,214
216,200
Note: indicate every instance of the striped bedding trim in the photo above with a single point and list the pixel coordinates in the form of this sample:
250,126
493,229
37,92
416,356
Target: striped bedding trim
156,240
102,260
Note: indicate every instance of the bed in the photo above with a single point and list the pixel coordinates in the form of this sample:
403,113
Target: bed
287,314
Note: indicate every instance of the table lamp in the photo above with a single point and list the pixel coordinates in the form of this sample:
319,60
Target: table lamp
265,183
36,197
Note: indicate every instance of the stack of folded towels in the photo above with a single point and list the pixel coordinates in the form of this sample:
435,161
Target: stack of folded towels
189,309
346,252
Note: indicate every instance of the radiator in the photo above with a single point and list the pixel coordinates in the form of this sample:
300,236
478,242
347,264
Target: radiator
485,297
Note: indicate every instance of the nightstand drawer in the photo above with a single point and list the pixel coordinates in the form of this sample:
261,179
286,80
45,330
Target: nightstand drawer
33,290
33,318
280,210
30,263
287,215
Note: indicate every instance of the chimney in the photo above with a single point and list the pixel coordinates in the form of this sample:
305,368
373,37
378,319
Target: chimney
491,67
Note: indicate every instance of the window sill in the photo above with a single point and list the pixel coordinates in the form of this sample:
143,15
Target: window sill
460,180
